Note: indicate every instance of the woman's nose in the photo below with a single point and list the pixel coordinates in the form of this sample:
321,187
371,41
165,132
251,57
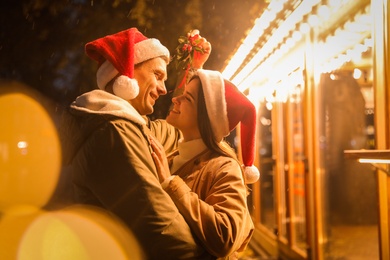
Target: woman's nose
175,100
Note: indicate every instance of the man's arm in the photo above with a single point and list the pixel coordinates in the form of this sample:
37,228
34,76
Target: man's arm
124,180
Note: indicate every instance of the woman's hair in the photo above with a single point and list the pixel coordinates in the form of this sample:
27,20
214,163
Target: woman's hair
206,131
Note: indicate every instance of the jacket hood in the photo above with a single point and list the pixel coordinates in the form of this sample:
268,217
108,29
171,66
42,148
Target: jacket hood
104,103
87,113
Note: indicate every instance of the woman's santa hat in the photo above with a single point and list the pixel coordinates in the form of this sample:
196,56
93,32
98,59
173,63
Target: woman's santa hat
226,107
118,53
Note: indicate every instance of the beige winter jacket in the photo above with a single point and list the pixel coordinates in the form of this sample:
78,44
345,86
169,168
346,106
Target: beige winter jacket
210,193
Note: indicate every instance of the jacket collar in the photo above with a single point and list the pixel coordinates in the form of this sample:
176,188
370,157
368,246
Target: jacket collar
187,151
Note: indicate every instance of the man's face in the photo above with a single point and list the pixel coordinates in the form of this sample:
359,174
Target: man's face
151,76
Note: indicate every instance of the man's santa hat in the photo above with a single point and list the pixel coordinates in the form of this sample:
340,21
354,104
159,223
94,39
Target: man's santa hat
118,53
226,107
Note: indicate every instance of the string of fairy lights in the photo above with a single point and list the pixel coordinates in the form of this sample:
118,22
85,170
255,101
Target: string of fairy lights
283,26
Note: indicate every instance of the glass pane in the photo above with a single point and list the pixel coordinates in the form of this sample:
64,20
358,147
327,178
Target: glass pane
267,211
298,171
350,189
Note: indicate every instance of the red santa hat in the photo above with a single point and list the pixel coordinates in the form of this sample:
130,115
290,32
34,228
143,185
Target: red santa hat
226,107
118,53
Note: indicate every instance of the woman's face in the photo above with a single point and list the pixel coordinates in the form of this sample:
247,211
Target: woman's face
184,113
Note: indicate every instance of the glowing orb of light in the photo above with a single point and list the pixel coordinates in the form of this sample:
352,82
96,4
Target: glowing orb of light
78,233
30,151
13,224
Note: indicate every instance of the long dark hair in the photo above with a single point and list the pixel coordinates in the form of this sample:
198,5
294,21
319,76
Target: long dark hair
204,124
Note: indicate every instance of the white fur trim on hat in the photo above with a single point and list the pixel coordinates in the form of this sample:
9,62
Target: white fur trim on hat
251,174
149,49
125,87
105,74
214,93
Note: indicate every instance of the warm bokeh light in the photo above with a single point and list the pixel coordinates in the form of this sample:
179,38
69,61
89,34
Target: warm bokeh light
78,233
13,224
29,149
30,161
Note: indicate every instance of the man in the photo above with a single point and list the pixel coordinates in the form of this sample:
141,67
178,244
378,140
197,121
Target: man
108,133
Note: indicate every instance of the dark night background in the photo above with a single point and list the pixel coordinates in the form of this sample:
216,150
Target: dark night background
42,41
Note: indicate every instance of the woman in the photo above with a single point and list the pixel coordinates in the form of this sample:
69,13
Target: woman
207,183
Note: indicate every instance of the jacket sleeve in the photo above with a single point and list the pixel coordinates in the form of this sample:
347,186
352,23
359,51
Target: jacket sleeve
123,180
168,135
220,219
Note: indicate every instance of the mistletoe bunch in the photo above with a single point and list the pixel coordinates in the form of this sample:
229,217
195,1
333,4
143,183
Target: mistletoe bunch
186,48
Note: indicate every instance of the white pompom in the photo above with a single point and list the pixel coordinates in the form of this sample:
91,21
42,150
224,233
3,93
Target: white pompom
251,174
125,87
